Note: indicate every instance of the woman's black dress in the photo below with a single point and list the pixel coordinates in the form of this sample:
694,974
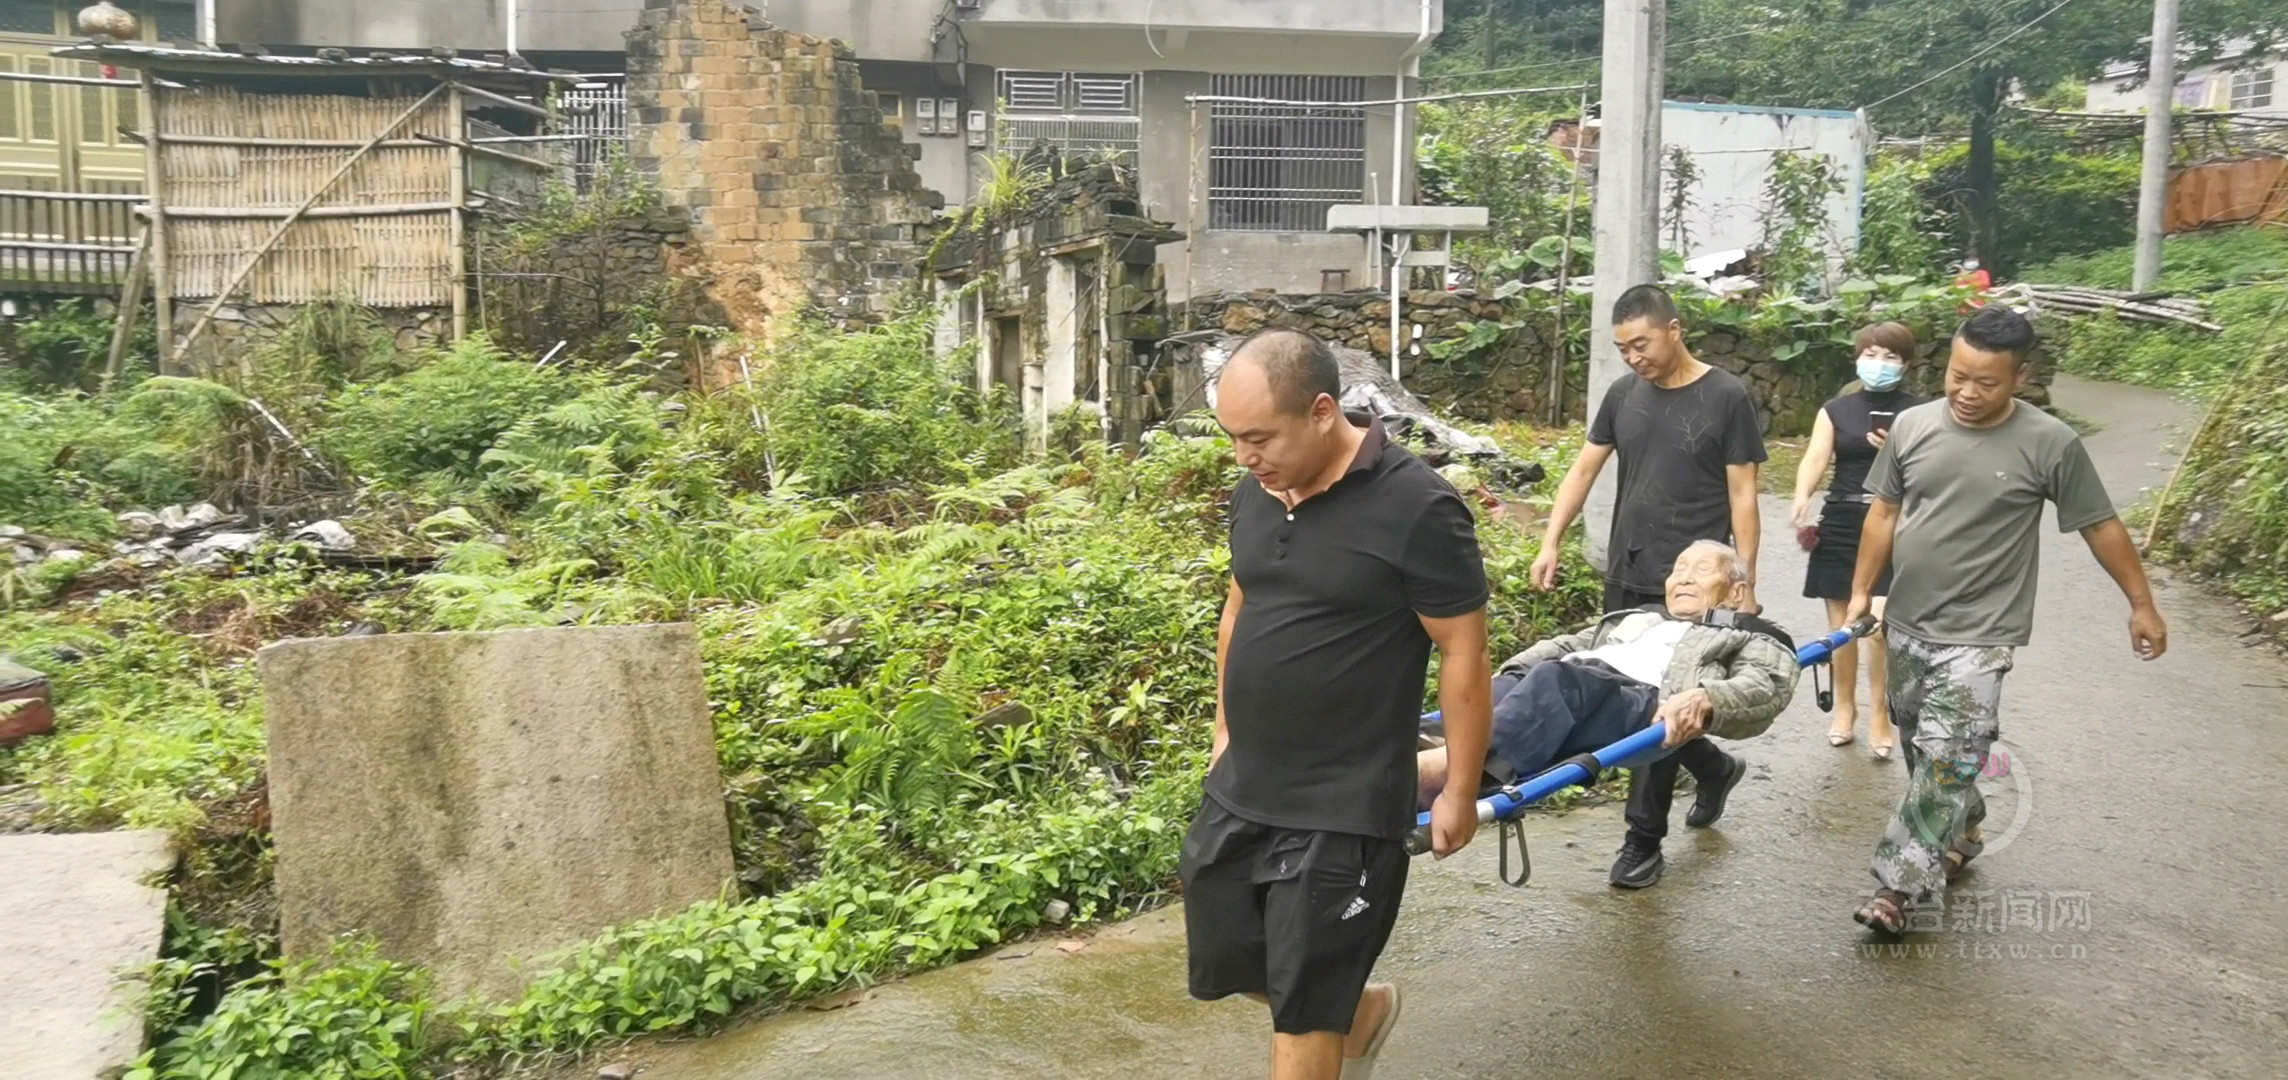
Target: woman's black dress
1828,577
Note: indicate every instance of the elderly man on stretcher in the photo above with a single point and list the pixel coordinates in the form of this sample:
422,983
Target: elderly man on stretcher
1700,666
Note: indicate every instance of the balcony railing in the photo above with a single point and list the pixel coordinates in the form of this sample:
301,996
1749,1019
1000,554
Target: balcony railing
65,242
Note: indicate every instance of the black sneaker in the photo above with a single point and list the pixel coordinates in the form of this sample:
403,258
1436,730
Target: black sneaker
1708,805
1640,864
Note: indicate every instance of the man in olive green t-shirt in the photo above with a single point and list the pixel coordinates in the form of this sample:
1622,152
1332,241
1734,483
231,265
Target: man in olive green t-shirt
1959,489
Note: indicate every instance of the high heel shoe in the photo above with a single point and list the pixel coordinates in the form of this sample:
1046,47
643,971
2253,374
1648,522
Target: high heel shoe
1884,745
1840,736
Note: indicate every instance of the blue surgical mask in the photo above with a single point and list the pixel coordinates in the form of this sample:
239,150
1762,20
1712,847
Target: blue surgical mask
1880,371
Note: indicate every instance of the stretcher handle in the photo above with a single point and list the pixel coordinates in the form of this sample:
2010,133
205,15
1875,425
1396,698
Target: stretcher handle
1506,803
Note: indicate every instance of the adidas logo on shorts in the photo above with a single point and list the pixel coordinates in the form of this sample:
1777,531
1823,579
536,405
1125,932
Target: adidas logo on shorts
1358,904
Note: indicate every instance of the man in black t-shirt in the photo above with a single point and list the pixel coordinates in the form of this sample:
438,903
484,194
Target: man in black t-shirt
1350,558
1689,444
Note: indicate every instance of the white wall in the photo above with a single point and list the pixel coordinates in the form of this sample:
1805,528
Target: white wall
2205,87
1732,147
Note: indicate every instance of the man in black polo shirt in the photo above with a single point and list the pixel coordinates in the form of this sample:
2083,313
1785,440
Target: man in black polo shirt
1350,558
1689,444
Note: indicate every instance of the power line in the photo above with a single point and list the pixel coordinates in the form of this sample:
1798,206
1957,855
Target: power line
1959,64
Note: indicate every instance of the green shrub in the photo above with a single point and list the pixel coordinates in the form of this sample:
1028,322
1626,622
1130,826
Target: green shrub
64,348
41,487
430,427
2228,516
613,427
186,440
862,410
1492,154
151,722
350,1016
1900,230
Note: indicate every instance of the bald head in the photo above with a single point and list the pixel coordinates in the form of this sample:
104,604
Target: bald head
1297,366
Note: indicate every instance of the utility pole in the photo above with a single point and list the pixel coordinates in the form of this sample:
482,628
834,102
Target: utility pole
1627,209
2153,182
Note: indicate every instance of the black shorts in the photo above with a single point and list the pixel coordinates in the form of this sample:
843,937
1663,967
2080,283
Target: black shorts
1295,915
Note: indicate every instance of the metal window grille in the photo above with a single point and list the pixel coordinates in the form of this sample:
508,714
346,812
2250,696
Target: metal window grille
598,114
2252,89
1073,112
1277,168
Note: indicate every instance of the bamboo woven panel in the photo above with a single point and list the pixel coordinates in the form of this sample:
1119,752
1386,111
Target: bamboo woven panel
402,260
382,260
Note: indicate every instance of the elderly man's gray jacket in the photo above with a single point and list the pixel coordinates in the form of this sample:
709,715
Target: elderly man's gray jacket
1749,675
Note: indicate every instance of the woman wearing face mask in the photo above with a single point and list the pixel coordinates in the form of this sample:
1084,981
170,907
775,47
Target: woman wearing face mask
1847,433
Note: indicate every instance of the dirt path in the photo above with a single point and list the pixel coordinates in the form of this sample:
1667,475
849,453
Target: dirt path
2129,924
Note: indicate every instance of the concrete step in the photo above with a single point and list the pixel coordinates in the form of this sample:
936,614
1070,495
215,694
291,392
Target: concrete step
80,915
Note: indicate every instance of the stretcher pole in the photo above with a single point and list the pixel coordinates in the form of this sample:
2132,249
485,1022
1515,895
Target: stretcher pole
1637,749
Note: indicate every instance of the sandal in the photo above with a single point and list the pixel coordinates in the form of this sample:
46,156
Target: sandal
1969,847
1362,1066
1886,913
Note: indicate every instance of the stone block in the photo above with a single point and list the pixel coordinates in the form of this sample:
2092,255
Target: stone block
476,801
78,919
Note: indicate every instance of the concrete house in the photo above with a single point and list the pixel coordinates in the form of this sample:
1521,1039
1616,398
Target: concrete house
1248,183
65,136
2240,81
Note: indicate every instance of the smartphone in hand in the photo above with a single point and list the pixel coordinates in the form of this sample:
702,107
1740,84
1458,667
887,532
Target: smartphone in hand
1880,422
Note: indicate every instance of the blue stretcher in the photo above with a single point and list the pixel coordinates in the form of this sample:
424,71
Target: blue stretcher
1503,804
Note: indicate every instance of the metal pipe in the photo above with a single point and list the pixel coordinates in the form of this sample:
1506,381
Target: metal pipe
1408,64
1399,244
1297,103
511,27
68,80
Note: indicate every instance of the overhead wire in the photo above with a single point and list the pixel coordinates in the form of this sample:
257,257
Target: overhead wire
1965,61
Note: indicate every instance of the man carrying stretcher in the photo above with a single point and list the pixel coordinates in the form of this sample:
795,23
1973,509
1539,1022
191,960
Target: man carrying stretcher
1698,666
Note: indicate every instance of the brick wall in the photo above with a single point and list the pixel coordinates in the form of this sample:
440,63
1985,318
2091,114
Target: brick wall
799,194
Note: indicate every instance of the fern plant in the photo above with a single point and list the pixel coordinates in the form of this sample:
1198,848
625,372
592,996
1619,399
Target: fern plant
919,757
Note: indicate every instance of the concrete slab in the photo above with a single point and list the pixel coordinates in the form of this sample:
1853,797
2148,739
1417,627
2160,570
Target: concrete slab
477,801
77,921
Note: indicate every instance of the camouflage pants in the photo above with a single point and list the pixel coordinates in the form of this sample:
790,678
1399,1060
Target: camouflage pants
1946,700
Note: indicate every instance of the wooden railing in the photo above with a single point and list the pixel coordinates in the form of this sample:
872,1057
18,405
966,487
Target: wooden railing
66,242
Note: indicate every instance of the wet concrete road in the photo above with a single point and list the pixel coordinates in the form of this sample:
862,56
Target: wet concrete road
2133,923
